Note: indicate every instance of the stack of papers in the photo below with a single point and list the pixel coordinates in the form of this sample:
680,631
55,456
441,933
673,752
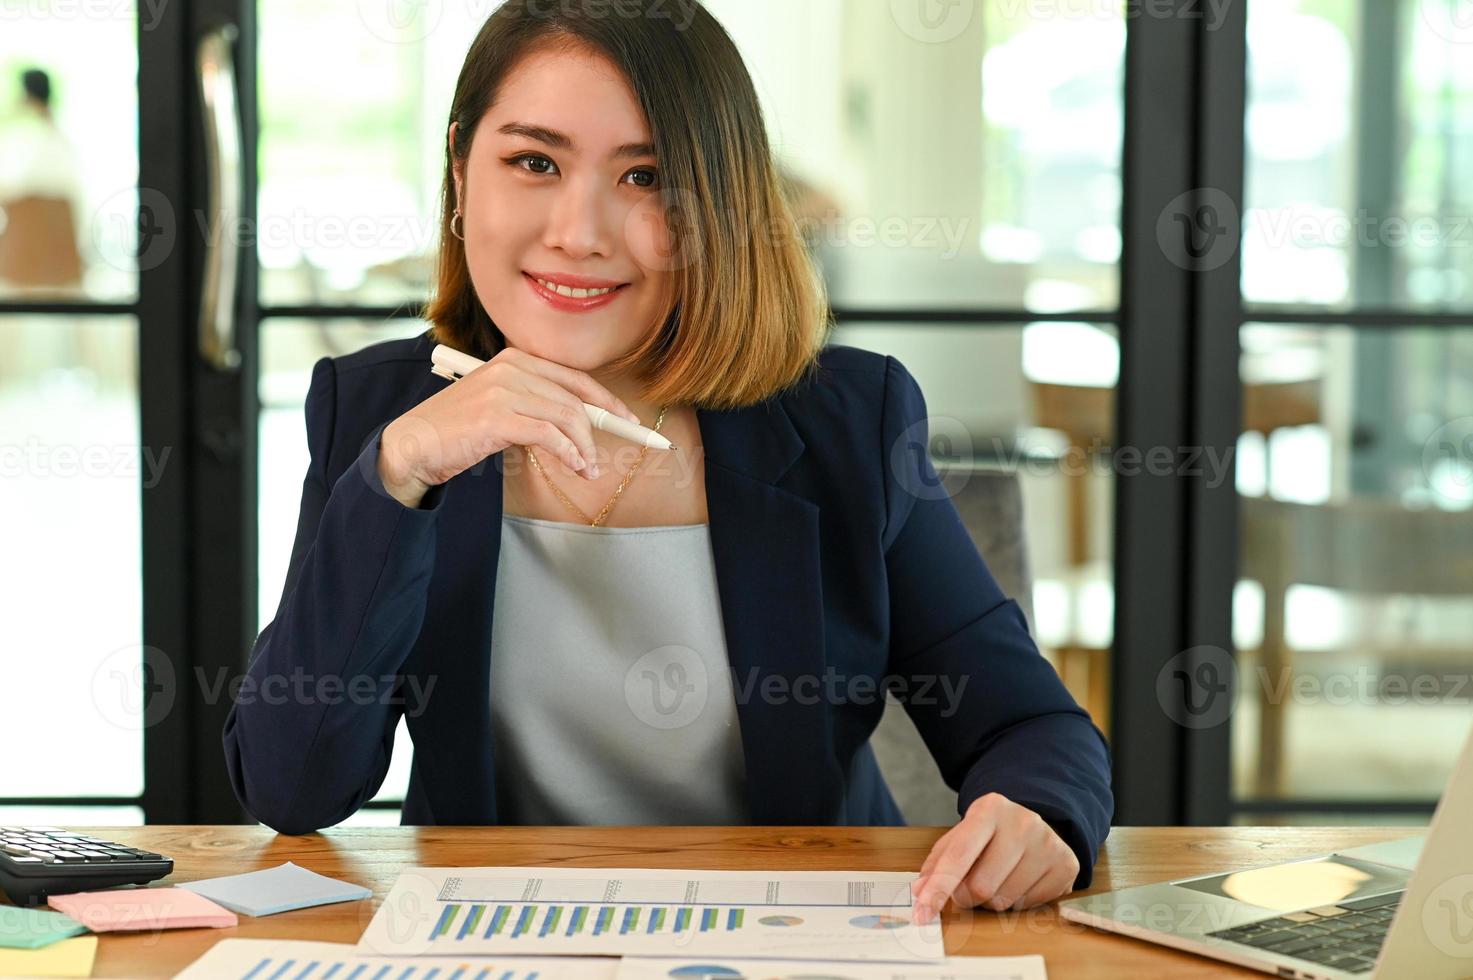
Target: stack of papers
258,958
285,888
133,909
34,928
837,915
68,958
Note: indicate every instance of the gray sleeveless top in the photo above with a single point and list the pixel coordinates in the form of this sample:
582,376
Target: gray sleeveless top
611,693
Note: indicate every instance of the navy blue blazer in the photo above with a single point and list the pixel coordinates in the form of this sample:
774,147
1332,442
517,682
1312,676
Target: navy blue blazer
834,556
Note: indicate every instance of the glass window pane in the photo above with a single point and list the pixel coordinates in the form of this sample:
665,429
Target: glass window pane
1352,615
1034,401
289,348
69,152
973,161
1358,144
72,468
72,816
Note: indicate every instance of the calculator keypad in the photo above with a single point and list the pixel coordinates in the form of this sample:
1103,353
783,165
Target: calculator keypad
31,846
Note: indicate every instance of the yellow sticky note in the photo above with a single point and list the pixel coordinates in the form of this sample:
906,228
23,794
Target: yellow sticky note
68,958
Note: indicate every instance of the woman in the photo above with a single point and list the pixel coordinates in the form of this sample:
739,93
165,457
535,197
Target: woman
709,640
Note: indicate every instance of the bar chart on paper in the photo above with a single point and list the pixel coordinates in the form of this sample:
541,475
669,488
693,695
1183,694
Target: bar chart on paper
614,912
266,959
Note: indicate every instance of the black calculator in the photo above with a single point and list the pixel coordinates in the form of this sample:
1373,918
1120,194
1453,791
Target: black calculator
39,861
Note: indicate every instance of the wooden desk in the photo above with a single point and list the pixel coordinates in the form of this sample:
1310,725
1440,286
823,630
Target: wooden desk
375,856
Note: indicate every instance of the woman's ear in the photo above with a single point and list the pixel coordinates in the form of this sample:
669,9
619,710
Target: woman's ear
455,164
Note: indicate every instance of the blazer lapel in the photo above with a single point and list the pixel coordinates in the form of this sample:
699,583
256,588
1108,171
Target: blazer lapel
765,547
765,544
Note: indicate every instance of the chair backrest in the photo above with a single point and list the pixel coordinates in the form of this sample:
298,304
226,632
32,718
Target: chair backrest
990,503
1361,545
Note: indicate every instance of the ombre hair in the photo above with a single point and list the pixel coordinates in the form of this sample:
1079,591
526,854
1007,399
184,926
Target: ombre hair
750,311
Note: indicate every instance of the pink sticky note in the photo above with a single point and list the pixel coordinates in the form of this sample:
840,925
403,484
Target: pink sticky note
129,909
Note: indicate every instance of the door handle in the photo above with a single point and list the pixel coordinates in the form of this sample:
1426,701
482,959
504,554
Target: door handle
215,63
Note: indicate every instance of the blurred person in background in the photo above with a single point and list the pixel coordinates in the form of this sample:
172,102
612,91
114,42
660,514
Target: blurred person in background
39,258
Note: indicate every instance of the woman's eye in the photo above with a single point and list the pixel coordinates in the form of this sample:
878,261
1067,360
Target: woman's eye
535,163
524,159
652,177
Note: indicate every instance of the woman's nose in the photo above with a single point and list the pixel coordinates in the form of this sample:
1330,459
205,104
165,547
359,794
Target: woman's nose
580,222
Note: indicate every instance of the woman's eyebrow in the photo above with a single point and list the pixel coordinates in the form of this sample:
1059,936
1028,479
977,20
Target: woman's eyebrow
563,142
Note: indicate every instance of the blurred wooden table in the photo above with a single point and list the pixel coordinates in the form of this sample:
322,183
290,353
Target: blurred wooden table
375,856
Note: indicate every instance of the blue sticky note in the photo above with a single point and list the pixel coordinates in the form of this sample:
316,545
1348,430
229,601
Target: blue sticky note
34,928
281,889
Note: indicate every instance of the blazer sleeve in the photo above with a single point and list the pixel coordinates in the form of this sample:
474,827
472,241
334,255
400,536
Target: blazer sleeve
993,712
310,733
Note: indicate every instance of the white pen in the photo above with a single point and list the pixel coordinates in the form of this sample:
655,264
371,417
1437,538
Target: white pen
447,362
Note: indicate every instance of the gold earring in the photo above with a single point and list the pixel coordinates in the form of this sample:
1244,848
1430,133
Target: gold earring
458,234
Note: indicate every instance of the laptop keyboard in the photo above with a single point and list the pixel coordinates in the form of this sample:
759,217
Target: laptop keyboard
1343,937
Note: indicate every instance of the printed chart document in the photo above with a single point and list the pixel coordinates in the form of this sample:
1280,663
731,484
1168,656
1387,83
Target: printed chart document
951,968
263,959
830,915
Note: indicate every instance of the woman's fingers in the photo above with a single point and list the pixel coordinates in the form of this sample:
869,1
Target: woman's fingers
954,858
580,383
1032,867
528,428
547,400
1059,881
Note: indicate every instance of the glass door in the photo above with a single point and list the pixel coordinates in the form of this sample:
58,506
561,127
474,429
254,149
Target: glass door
126,474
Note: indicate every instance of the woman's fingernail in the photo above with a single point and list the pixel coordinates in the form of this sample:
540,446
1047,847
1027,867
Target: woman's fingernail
593,471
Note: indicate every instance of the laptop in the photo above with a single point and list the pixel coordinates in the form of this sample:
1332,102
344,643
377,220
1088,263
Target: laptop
1392,911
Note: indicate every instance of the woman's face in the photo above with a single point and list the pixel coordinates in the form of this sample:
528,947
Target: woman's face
561,184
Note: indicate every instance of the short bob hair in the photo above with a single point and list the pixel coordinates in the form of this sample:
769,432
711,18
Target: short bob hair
750,310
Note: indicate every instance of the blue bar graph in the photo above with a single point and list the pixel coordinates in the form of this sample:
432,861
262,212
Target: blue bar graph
346,970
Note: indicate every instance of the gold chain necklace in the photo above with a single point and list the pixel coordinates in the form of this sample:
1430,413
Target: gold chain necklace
622,483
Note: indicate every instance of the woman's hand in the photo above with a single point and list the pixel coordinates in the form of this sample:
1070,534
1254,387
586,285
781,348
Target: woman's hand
1000,855
515,398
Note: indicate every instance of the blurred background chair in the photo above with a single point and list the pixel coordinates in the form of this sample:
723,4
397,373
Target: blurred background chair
1373,552
991,506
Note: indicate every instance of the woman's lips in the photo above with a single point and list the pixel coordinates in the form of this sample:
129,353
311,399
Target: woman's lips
571,304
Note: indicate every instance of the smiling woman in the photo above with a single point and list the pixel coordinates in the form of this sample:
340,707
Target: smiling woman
610,203
615,235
